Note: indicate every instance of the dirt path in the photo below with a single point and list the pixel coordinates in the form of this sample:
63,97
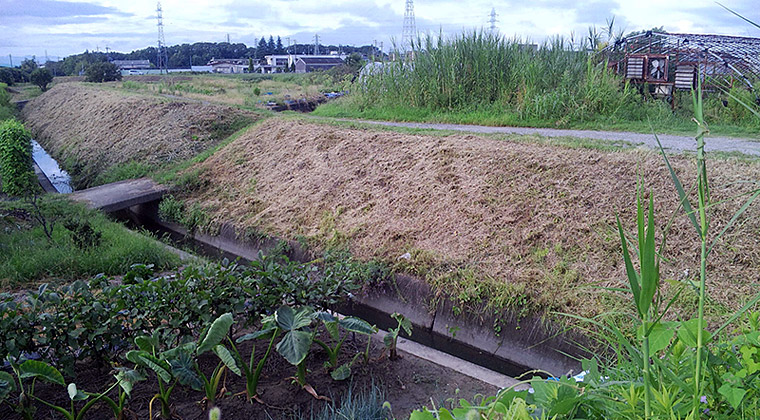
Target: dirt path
669,142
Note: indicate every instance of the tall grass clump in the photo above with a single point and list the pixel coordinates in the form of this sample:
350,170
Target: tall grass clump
476,71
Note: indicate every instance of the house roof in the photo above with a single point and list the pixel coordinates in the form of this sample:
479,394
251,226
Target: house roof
315,61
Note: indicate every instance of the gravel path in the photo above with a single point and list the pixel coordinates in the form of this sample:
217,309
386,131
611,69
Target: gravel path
669,142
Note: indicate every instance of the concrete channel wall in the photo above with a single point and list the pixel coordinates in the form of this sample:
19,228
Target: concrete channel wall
521,343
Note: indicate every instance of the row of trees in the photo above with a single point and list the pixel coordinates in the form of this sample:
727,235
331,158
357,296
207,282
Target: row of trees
180,56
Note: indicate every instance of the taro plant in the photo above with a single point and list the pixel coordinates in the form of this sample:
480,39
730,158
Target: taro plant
391,338
184,359
126,378
149,357
334,326
35,369
297,339
252,370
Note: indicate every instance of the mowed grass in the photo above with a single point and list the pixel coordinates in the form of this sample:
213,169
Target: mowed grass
28,256
243,90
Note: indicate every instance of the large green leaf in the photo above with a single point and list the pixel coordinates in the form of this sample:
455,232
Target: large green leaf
183,368
357,325
688,333
7,385
126,378
289,319
266,333
226,357
733,395
188,348
330,322
294,346
216,333
42,370
143,358
146,343
660,336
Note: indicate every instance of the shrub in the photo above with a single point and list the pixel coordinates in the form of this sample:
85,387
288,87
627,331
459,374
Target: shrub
102,72
16,172
7,110
41,78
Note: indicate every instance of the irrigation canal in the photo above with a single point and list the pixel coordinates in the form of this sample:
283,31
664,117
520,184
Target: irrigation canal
136,203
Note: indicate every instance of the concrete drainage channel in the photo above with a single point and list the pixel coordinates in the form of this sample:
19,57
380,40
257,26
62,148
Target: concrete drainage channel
520,346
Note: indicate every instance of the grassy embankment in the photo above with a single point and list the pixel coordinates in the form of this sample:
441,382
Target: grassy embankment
515,222
482,79
100,135
82,243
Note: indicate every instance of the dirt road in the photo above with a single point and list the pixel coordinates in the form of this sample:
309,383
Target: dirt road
669,142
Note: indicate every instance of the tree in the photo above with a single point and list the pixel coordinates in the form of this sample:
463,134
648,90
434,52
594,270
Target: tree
261,50
354,62
271,47
250,65
29,65
279,49
41,78
102,72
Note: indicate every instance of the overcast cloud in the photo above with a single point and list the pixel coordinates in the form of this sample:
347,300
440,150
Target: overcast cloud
61,28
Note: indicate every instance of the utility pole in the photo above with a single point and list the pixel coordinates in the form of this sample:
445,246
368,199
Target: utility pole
410,27
316,44
10,57
228,38
492,21
162,59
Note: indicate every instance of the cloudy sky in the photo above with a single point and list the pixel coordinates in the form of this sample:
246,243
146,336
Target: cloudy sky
61,28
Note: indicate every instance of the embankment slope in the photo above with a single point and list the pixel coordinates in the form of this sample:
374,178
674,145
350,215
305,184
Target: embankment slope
522,224
90,129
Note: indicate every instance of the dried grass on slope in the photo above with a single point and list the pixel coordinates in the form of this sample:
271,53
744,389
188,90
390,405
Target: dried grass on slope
532,219
91,129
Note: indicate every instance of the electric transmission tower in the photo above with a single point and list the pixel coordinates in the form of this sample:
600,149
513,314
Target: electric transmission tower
410,28
316,44
492,21
162,59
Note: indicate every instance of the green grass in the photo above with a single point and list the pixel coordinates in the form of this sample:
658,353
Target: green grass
176,174
27,255
128,170
479,78
676,124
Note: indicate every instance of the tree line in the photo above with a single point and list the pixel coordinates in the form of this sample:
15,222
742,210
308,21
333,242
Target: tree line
181,56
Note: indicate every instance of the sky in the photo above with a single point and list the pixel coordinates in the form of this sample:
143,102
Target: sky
58,28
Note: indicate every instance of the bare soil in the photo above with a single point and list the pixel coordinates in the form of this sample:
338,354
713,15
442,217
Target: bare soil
526,225
407,384
90,129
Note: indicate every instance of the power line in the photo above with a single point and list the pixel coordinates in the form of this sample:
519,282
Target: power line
492,21
410,27
162,59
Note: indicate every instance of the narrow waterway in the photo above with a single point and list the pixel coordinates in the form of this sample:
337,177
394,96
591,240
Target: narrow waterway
58,177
